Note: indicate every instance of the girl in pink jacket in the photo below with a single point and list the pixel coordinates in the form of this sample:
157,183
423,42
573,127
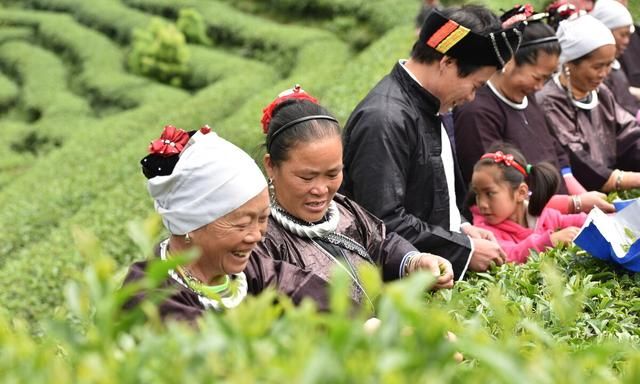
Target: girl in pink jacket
510,198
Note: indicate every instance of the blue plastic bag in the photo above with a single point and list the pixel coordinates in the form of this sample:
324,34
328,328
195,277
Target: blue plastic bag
621,204
608,238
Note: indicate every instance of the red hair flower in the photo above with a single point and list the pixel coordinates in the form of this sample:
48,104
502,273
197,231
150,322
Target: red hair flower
294,93
205,129
171,142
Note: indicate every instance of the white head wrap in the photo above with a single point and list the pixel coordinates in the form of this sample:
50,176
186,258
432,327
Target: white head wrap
612,14
212,178
581,36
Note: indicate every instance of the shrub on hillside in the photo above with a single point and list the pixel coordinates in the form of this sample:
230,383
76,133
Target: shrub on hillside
160,52
192,25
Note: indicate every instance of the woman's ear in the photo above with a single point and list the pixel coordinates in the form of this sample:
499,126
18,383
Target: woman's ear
268,165
522,193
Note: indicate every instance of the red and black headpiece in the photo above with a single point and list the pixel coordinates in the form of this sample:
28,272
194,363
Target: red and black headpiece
453,39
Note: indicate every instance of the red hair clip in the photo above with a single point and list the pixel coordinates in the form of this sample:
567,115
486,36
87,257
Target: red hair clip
171,141
507,159
295,93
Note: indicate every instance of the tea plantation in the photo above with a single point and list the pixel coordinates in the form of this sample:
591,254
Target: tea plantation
85,85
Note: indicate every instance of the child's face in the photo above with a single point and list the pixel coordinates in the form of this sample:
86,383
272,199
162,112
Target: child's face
496,199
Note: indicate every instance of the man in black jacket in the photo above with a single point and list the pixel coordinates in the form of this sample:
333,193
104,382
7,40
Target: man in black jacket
398,159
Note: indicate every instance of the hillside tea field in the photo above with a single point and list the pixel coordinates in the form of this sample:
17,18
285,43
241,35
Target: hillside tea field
84,87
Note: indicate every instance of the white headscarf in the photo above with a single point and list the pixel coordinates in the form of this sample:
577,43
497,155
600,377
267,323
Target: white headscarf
581,36
212,178
612,14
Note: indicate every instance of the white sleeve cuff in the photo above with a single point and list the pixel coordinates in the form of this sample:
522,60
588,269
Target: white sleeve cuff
466,266
404,261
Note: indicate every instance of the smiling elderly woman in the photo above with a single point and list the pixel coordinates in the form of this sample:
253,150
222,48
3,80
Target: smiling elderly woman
212,197
312,228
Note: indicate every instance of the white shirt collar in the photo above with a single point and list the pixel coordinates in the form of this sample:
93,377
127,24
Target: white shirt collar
402,63
519,106
616,66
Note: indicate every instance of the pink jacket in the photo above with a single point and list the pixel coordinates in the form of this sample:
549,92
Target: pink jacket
517,240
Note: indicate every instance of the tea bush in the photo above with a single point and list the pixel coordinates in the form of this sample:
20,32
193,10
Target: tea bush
247,35
97,61
379,15
110,17
191,24
364,71
269,340
243,127
43,81
8,92
160,52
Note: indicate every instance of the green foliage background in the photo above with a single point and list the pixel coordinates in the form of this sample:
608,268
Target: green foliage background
75,118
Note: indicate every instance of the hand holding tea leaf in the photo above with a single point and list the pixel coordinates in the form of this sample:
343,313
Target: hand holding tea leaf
564,236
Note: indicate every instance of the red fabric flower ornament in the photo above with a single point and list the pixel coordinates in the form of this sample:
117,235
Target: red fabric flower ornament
205,129
518,14
562,9
294,93
508,160
171,142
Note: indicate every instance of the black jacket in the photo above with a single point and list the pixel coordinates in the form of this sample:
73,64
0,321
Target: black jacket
393,166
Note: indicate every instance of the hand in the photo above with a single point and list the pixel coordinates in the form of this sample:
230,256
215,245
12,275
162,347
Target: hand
595,199
486,252
440,268
564,236
478,233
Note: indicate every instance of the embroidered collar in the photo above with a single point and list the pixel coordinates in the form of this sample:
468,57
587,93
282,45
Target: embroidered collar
519,106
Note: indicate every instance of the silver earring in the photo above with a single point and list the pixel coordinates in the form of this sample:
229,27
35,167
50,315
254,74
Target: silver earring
272,189
187,238
567,73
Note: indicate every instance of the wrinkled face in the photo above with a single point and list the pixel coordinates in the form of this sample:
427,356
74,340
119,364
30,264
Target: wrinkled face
589,73
525,79
458,90
227,242
307,180
622,36
495,198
